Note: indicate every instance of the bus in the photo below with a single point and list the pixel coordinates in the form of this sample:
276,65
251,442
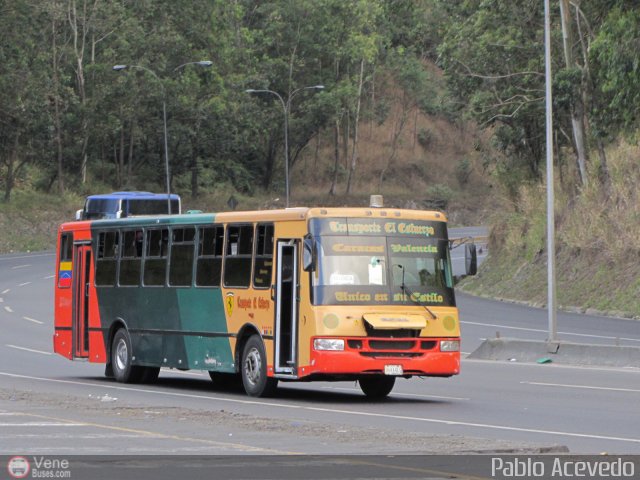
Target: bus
261,297
128,204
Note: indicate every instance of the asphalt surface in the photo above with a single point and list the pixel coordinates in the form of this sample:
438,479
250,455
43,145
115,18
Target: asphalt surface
51,405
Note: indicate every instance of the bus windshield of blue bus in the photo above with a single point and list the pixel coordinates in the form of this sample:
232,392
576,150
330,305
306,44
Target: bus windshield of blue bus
96,208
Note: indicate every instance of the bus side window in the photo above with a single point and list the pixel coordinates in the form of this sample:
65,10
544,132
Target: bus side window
65,260
264,256
107,258
209,263
237,261
131,259
155,262
181,262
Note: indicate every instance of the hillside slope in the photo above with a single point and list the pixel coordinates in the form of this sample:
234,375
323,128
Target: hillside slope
597,241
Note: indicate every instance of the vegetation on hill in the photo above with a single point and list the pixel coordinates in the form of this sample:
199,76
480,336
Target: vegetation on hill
597,241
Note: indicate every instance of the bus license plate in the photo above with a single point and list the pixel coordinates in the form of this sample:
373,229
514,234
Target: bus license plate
393,370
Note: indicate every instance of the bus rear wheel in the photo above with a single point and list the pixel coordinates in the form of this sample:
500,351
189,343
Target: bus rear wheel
377,386
121,359
254,369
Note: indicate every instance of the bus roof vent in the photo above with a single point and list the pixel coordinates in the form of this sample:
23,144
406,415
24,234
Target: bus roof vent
376,201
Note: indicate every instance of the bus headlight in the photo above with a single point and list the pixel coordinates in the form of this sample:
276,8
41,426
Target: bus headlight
328,344
450,345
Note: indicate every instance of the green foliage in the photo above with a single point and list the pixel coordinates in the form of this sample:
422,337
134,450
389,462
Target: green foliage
425,138
463,171
78,121
440,193
614,53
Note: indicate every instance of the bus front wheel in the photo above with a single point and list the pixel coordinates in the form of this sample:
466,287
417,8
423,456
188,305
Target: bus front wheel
377,386
121,359
254,369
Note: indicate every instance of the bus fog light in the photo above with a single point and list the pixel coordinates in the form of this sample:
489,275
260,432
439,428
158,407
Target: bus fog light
328,344
450,346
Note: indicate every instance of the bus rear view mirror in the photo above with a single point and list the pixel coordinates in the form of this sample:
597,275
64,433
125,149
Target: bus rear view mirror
79,214
308,254
470,259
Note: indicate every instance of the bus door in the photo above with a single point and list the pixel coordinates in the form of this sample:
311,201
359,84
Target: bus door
81,270
286,321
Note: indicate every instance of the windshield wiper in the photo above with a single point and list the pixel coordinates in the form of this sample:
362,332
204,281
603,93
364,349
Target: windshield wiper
406,290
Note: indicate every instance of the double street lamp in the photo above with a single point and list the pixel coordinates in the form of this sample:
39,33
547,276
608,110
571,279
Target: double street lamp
202,63
286,108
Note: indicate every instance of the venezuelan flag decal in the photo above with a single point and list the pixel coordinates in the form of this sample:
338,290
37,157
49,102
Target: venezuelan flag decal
65,275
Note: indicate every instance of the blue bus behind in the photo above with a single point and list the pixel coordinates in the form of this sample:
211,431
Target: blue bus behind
128,204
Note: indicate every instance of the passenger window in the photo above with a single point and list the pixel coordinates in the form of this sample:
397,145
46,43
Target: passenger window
182,253
65,262
264,256
237,263
155,262
107,258
209,263
131,258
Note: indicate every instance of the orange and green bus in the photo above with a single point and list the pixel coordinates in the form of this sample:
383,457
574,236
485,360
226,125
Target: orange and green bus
298,294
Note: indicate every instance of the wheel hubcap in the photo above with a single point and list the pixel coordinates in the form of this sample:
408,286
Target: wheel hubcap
252,366
122,355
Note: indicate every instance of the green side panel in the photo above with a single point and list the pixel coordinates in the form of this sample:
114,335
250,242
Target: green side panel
202,310
171,327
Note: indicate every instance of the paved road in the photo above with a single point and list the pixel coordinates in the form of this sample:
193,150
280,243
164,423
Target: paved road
51,405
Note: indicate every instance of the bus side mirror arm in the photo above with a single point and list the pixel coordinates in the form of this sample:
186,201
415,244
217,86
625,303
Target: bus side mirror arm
309,254
470,259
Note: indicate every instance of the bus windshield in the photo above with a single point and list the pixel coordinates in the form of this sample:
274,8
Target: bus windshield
96,208
398,268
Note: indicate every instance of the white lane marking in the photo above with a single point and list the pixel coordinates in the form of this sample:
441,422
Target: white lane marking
20,266
8,309
43,424
48,277
588,387
28,256
6,291
399,394
333,410
24,284
33,320
28,349
546,331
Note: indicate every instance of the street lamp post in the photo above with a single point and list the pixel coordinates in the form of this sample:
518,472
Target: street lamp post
202,63
286,107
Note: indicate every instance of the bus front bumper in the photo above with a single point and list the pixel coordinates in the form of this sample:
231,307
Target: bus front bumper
402,357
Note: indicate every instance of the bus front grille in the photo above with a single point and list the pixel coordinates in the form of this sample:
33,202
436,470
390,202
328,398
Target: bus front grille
391,354
391,345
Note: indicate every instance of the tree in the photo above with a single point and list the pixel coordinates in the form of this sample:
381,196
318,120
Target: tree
493,60
23,90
